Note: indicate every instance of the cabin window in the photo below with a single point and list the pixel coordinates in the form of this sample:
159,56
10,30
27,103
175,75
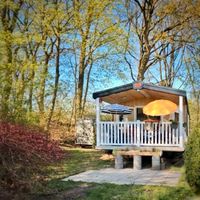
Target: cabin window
121,118
176,116
140,115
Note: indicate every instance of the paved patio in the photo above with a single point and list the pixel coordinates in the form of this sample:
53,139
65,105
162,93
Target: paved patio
128,176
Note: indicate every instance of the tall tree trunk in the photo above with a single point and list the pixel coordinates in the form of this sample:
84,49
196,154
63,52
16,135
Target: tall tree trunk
42,89
30,97
42,85
21,91
82,65
7,83
86,89
142,66
79,95
73,112
56,83
81,73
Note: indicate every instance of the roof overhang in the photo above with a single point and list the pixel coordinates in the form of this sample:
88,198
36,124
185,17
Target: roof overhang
130,86
137,91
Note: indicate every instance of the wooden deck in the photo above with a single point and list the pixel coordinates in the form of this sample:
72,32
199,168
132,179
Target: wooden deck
160,148
134,135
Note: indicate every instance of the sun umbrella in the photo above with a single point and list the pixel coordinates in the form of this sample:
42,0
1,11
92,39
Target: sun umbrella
159,107
116,109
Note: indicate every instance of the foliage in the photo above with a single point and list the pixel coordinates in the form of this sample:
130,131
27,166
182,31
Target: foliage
23,151
54,54
195,114
192,158
38,39
193,70
155,28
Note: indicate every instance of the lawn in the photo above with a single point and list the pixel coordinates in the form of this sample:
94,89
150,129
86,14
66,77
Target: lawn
79,160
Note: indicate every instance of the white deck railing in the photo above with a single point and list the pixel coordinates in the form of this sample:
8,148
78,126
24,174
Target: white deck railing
138,134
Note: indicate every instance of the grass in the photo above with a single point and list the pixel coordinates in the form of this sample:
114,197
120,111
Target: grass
126,192
78,160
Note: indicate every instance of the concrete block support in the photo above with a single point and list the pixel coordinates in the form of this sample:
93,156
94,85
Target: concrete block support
156,162
118,162
137,162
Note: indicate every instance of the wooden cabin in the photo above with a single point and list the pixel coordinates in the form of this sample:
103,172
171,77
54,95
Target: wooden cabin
132,132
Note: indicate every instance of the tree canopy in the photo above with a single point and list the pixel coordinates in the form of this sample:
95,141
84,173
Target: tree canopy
54,54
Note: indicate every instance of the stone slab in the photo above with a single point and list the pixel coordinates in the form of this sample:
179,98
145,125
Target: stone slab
128,176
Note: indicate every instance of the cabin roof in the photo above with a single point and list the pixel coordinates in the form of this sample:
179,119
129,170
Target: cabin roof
147,86
133,94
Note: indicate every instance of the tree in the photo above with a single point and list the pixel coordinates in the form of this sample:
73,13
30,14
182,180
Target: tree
95,29
192,64
170,67
154,25
192,159
54,53
60,27
9,12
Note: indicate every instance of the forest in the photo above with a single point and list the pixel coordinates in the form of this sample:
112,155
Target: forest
55,53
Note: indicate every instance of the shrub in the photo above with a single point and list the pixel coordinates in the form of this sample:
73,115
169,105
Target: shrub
23,153
192,159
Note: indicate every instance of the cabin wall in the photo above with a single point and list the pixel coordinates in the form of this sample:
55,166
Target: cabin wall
131,116
142,102
138,102
166,118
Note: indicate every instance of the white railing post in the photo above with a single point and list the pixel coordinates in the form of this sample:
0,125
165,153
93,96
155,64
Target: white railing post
138,133
97,122
181,120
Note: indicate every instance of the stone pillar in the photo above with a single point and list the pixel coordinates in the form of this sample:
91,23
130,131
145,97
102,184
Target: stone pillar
137,162
156,162
118,162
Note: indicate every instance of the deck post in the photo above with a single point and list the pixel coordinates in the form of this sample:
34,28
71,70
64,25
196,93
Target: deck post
97,122
181,120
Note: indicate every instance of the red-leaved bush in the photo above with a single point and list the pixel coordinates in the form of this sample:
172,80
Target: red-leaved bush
23,152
